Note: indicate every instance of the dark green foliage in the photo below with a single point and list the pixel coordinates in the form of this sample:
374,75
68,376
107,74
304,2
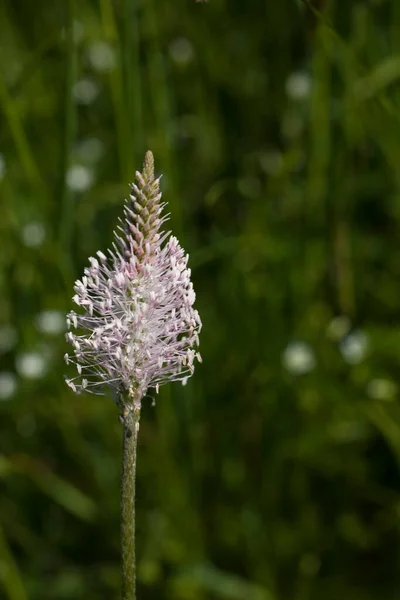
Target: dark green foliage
254,483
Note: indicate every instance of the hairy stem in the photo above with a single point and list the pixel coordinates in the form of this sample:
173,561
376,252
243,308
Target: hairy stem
131,429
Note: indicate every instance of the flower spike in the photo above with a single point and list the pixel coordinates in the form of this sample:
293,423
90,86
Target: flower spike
137,327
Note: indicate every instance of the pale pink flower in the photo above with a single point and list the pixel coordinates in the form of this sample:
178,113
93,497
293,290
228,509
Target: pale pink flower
137,327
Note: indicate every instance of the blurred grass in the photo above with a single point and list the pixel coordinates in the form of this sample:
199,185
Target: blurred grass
274,474
66,218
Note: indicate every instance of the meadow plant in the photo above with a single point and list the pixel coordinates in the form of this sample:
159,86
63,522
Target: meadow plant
136,328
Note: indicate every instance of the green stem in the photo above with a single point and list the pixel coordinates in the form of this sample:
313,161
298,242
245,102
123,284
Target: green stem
131,429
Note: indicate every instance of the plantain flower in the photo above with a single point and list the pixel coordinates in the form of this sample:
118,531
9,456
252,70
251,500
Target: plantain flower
136,327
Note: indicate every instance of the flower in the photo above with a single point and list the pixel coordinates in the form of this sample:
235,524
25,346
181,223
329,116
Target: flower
138,328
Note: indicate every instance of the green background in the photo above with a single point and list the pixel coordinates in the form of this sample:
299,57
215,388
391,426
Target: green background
274,474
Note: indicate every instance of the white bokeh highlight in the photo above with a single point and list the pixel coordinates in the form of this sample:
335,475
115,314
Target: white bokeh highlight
298,358
51,322
8,385
354,347
31,365
33,234
79,178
